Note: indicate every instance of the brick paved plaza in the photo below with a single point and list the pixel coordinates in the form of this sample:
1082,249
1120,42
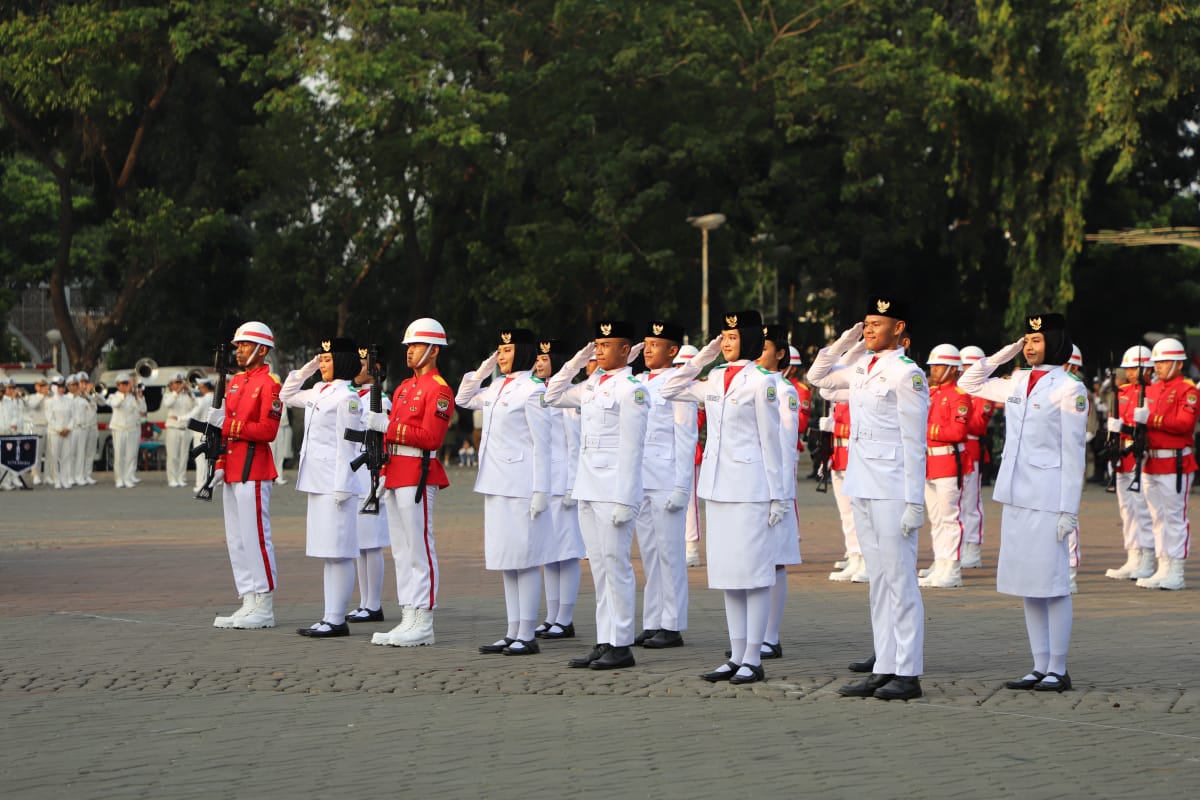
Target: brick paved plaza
113,684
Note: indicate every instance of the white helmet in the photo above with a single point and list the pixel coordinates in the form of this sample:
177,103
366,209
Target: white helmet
946,355
793,356
1076,359
685,354
970,354
1136,356
255,333
427,330
1168,350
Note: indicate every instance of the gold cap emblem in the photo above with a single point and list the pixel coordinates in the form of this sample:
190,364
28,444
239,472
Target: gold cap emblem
1035,323
506,338
731,320
765,331
605,328
882,306
657,328
544,347
362,352
325,345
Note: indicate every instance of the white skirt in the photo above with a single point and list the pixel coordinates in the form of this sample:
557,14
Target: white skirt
372,528
741,549
1033,562
566,541
511,540
788,531
332,531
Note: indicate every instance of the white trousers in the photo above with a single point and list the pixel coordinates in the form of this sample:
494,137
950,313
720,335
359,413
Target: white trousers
849,533
943,504
39,462
660,535
971,509
1168,513
1137,528
201,462
178,442
78,440
897,613
410,525
125,452
608,548
248,535
56,461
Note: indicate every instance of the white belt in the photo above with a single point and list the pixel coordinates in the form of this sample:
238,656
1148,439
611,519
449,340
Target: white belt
973,438
405,450
943,451
601,442
841,442
1187,451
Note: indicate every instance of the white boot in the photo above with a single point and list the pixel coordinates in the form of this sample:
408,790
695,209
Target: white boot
1174,579
1160,574
1146,565
261,616
693,554
932,568
950,576
933,573
841,564
231,620
858,567
1125,571
406,620
847,572
420,632
972,557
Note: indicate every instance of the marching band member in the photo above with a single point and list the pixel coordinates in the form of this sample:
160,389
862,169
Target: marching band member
204,404
128,405
178,402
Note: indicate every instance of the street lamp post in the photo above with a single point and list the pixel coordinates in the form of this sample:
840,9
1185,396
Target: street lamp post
706,223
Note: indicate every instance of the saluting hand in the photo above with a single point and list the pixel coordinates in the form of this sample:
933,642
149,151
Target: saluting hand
634,352
707,354
848,339
580,359
1006,354
312,367
487,366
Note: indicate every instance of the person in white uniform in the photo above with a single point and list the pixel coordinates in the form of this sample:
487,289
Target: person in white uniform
204,404
1039,486
885,479
128,405
613,408
560,574
58,433
667,482
282,448
514,479
693,525
35,408
373,534
742,482
330,407
1136,526
79,425
178,402
90,429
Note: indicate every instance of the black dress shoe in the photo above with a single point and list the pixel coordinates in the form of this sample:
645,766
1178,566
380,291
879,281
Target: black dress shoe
585,661
722,674
365,615
866,687
664,639
756,674
641,638
564,631
901,687
498,647
540,630
772,651
615,658
1061,684
1027,682
527,648
866,665
330,630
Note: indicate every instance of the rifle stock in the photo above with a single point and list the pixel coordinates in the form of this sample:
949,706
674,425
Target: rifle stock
213,446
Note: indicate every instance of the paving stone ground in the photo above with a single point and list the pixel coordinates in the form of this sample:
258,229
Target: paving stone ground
114,684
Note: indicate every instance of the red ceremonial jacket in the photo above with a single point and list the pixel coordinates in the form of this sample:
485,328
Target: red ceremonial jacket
805,395
841,436
982,410
422,407
949,408
1127,401
1173,406
252,413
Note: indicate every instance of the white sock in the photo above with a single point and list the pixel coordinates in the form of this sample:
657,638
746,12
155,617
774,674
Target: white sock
1059,617
550,579
339,588
512,602
568,590
758,606
370,578
735,620
529,594
779,594
1037,625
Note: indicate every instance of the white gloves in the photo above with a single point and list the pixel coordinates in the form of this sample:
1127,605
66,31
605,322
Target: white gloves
218,477
538,503
1006,354
487,366
568,501
375,420
312,367
707,354
778,512
847,340
912,519
580,359
825,424
634,352
622,514
340,497
1113,425
1141,415
1066,524
216,417
677,500
854,352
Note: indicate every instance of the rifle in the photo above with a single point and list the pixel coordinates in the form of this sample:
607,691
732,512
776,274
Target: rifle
1113,446
1139,439
213,447
824,457
374,453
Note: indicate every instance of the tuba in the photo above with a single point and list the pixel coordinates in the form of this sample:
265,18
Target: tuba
145,368
195,375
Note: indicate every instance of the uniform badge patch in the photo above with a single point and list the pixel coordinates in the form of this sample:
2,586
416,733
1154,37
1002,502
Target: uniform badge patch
918,383
354,406
1191,399
1080,403
639,396
962,410
793,403
276,411
771,394
443,404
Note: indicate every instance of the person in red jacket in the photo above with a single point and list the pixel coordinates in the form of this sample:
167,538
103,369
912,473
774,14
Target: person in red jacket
982,411
422,408
249,422
802,392
1169,415
1137,529
946,466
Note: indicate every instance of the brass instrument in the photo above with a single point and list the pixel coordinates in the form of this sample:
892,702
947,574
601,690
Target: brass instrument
194,377
146,368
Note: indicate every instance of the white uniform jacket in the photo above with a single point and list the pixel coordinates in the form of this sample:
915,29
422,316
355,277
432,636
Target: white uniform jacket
127,410
35,407
178,406
742,461
613,408
670,438
889,412
514,448
325,455
789,432
564,449
1044,436
59,414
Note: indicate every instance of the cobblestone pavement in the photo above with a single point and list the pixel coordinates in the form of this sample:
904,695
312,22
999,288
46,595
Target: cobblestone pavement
114,684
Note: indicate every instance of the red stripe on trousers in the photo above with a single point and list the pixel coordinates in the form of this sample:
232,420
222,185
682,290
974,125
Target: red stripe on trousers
262,538
428,556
